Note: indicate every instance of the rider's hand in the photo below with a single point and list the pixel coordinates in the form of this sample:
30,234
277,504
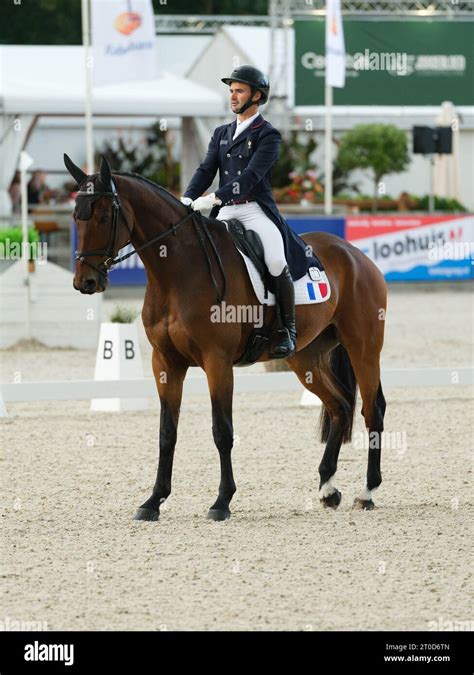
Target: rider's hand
205,203
187,201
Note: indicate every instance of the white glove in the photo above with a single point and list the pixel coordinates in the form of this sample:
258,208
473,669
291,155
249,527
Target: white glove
187,201
205,203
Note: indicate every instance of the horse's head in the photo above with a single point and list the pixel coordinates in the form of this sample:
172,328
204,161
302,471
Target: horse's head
104,226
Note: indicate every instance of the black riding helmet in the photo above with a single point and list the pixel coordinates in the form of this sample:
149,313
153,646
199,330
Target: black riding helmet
253,77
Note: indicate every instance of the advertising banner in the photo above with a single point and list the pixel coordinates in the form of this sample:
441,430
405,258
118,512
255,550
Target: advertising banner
302,224
396,63
416,248
404,247
131,272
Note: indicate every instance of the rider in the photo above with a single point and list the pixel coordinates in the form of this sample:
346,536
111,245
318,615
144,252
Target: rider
245,152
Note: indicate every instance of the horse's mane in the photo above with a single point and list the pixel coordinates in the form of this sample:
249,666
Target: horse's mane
162,192
167,196
154,187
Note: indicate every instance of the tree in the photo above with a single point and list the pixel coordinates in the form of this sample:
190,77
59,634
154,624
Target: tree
58,22
42,22
383,148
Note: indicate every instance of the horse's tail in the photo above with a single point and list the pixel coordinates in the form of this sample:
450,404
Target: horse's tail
342,375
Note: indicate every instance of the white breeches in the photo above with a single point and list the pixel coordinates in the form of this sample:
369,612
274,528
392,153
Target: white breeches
253,218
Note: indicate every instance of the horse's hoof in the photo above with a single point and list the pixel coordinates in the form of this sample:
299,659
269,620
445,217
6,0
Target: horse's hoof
146,514
363,504
331,501
218,514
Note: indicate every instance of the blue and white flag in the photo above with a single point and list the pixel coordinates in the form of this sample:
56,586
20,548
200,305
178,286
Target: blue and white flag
123,41
335,49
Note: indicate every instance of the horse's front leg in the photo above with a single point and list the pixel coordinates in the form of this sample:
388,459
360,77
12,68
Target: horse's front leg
169,376
220,378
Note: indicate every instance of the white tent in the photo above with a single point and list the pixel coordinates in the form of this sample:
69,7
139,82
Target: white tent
50,81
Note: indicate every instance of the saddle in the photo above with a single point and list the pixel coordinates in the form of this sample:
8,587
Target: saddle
251,245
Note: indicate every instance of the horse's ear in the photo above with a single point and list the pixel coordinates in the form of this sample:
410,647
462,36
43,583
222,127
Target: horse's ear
105,176
77,173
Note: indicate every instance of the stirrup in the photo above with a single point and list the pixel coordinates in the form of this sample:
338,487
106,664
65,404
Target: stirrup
285,346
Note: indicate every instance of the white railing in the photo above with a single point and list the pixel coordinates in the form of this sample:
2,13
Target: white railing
76,390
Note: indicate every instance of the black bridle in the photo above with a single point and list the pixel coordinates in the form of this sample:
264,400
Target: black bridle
110,261
108,252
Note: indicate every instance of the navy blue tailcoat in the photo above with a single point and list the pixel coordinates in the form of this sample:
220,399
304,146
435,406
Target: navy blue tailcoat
245,167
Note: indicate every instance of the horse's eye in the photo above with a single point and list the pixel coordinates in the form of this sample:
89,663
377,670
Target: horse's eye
104,219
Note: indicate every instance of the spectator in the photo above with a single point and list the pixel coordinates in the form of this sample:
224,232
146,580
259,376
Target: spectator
37,187
15,192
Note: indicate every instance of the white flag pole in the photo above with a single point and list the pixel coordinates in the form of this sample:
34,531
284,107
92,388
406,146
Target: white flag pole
328,151
25,162
88,82
335,77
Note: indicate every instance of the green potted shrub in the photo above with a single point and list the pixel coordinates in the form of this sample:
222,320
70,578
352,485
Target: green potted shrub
381,148
11,239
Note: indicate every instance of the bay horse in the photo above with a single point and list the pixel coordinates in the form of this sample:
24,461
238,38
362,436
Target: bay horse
338,345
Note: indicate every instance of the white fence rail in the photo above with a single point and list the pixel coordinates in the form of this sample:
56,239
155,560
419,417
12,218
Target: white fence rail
75,390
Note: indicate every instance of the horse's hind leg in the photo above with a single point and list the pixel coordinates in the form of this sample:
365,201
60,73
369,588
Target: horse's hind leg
365,360
373,410
312,365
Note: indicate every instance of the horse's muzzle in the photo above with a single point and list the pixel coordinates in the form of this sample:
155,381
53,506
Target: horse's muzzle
90,286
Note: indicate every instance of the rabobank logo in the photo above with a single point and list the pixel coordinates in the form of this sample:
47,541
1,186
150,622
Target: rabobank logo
127,22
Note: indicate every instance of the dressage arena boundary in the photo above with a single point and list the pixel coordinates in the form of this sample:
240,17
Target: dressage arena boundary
75,390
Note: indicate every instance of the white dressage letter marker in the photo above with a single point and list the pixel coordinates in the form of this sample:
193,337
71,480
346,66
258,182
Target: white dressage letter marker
118,358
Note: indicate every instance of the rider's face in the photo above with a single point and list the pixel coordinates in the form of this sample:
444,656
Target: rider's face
239,93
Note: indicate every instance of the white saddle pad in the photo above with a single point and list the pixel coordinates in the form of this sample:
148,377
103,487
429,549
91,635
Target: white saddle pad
314,287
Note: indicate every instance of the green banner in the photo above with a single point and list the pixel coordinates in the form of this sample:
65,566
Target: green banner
389,63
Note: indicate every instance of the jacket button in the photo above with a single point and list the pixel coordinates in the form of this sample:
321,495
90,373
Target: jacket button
240,156
226,172
239,172
228,154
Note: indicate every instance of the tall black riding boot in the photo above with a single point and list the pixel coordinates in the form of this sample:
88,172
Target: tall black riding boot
285,343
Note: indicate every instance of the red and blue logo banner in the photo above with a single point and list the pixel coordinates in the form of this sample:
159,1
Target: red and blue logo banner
416,247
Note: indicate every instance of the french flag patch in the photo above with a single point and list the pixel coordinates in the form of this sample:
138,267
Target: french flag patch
323,289
311,293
